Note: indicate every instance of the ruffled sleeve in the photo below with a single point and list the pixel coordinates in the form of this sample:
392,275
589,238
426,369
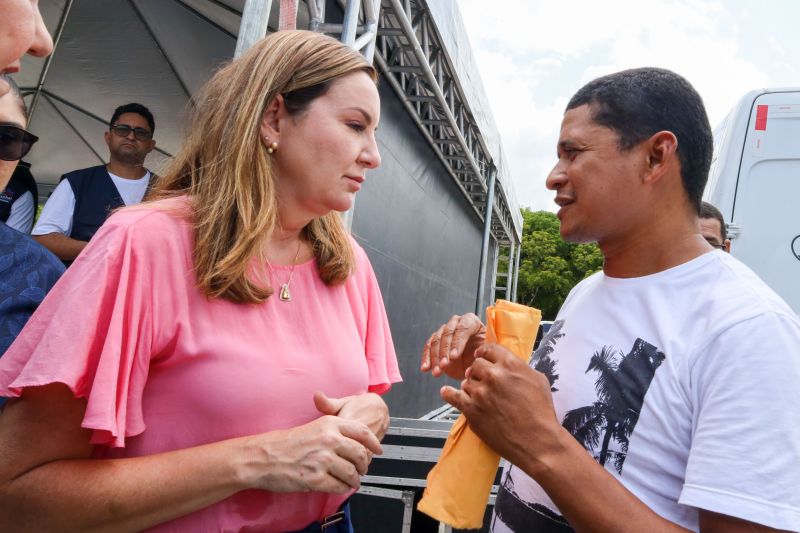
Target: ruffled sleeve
94,333
381,357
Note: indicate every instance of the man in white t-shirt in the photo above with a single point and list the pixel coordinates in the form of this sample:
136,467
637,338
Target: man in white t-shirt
666,395
84,198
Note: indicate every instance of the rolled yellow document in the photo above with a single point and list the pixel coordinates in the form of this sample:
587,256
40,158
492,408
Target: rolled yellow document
458,487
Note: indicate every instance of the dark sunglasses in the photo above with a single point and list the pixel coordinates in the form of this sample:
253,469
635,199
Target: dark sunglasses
123,130
15,142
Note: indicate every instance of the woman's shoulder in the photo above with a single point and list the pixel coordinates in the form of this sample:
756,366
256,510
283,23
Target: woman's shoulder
148,228
161,216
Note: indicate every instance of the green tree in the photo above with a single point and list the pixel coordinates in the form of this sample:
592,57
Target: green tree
549,266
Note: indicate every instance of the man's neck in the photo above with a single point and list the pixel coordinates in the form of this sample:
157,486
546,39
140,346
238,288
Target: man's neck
126,170
653,249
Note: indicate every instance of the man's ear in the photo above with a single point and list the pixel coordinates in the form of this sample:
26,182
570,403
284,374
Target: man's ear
662,154
727,245
271,119
107,135
152,145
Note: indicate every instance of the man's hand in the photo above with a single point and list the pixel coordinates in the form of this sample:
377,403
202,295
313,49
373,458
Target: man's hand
508,405
451,348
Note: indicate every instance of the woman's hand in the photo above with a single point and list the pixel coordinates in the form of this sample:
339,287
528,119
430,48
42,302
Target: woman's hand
50,482
367,408
451,348
329,454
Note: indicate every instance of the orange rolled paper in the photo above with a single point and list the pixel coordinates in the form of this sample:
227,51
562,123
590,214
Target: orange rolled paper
458,487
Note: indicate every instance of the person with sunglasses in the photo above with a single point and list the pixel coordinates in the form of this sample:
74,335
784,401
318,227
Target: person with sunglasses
27,269
84,198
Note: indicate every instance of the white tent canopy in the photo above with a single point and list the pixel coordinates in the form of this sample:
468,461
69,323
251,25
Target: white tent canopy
112,52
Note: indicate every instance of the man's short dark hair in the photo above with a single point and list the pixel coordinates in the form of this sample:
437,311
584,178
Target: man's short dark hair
709,211
139,109
638,103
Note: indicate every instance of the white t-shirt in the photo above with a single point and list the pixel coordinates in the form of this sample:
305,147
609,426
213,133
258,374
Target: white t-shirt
21,216
56,216
691,379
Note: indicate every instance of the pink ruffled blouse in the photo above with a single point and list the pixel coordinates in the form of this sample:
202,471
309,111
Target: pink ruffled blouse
164,368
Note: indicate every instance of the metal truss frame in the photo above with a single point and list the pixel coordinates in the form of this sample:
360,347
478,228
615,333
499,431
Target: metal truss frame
410,53
401,37
359,28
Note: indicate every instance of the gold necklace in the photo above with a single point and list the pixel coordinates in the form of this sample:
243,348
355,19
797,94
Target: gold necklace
284,295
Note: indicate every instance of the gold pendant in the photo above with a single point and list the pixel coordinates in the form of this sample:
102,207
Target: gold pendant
284,295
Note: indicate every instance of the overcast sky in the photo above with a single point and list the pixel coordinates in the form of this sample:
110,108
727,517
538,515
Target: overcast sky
534,54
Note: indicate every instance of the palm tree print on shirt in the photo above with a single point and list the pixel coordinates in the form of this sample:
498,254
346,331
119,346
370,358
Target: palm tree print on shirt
621,385
541,360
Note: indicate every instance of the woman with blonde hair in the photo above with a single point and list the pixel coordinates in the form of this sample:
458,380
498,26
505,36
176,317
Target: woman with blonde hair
211,361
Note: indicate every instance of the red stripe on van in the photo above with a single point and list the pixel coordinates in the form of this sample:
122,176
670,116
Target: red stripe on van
761,117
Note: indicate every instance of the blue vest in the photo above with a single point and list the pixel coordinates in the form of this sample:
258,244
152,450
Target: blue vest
21,182
96,197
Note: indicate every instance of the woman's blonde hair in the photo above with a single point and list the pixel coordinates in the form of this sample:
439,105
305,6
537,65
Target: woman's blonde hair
228,175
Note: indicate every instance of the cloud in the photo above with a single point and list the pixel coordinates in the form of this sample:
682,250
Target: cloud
534,55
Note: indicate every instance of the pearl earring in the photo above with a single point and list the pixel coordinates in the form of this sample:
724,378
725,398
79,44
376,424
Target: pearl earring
272,147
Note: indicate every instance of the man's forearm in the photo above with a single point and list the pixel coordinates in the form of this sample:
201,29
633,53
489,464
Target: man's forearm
65,248
567,471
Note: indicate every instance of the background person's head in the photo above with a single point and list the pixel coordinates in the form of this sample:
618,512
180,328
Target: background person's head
22,31
130,134
712,227
14,140
226,166
638,103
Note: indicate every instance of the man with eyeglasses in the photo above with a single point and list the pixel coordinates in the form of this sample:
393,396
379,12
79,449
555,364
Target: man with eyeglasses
84,198
712,227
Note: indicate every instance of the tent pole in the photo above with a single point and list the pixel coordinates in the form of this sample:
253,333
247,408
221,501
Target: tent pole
516,272
255,18
487,231
59,32
510,272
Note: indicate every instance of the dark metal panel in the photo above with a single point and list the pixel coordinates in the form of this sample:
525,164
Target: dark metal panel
424,243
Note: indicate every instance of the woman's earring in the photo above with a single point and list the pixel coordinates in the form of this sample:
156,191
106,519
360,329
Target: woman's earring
272,148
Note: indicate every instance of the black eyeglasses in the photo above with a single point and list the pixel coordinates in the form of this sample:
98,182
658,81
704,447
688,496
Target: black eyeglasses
15,142
123,130
717,246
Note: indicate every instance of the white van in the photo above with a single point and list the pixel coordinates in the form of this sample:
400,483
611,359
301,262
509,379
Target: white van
755,182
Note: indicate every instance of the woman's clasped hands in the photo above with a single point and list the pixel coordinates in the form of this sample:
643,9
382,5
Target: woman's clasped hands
329,454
